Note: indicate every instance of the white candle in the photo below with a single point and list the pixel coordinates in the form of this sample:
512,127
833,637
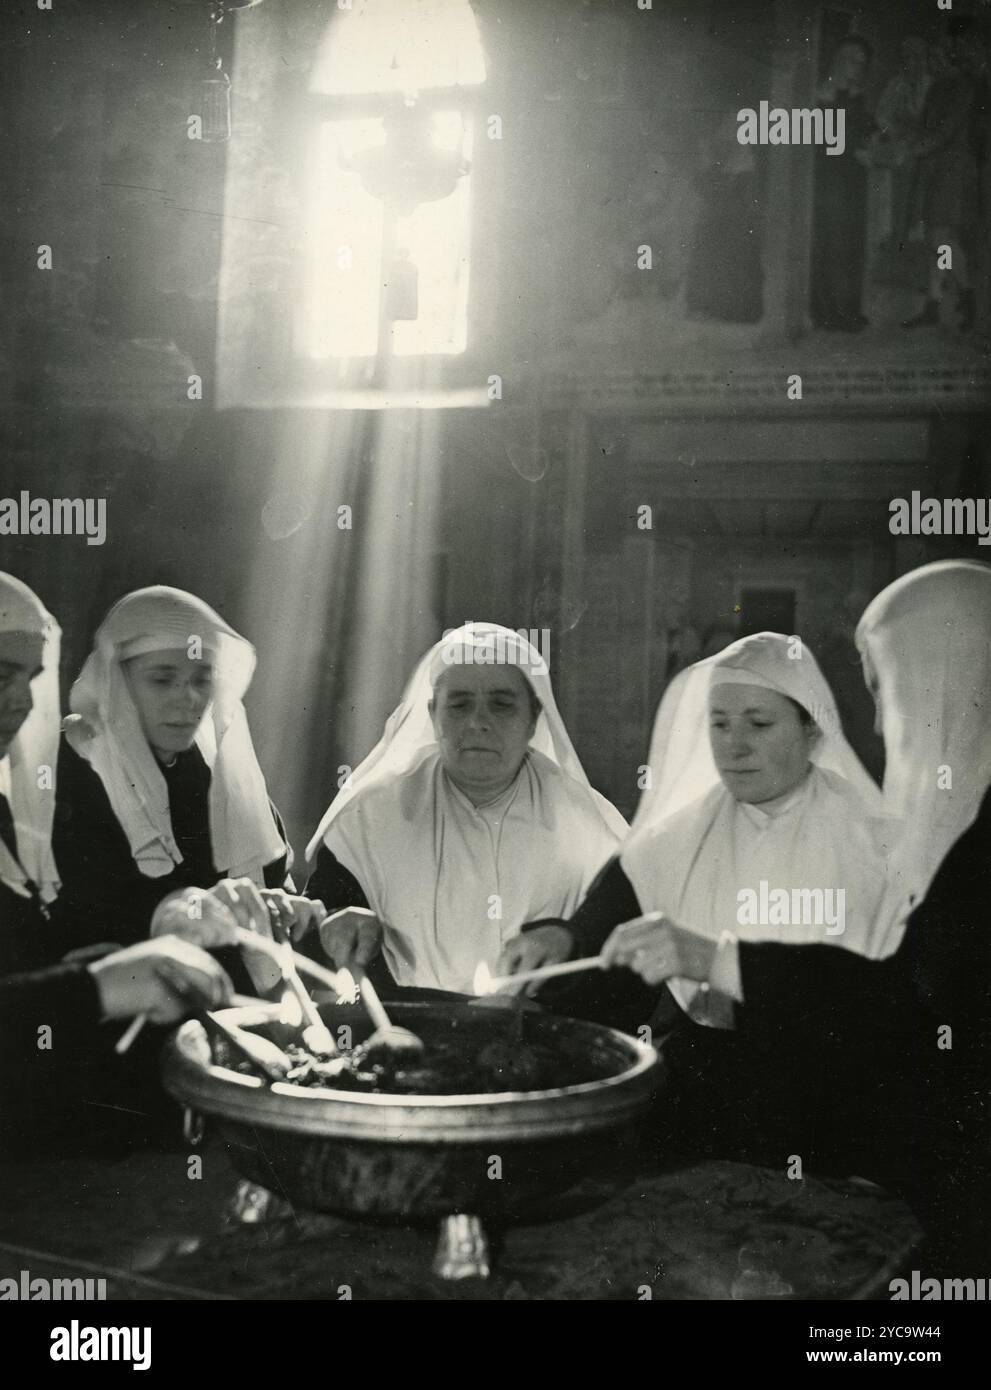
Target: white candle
130,1033
546,972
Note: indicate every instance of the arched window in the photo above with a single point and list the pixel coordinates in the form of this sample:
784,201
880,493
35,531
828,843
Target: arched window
388,181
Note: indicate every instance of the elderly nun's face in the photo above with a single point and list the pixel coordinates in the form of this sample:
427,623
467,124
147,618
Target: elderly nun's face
171,692
759,743
483,717
20,662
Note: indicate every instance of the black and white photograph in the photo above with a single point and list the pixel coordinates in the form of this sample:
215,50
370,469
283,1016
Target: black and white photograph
495,667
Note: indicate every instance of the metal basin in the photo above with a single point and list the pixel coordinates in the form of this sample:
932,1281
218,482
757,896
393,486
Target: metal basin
410,1158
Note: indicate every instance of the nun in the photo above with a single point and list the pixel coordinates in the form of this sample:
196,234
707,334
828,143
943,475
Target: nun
471,816
29,737
758,819
159,788
883,1069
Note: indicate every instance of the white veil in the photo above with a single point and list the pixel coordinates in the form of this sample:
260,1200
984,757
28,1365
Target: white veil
927,637
105,729
409,732
682,769
23,777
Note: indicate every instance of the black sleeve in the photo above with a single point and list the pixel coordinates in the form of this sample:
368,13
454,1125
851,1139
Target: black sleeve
62,1087
842,1061
609,901
277,871
63,998
333,884
792,992
31,937
616,998
49,1025
336,887
947,944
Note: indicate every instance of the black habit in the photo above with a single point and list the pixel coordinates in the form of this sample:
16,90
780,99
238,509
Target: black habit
105,897
875,1068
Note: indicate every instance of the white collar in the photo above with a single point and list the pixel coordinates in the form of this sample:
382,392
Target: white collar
497,806
763,814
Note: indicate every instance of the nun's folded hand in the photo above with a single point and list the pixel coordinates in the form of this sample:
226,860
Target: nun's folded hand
656,949
165,979
352,936
531,949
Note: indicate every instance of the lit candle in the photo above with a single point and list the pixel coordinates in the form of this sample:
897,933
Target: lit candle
487,983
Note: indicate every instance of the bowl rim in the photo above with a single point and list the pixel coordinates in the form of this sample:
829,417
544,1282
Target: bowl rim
281,1105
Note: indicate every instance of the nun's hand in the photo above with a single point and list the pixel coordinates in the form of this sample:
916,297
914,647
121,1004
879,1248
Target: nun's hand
352,936
210,917
215,917
165,979
293,917
244,901
657,950
195,915
531,949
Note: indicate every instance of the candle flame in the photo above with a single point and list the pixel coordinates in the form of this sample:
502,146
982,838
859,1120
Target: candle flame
290,1010
347,987
482,983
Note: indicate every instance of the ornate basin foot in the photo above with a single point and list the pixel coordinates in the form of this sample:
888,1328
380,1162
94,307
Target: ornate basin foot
462,1248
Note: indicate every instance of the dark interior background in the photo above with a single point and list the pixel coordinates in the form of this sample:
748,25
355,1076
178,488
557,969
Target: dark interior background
613,399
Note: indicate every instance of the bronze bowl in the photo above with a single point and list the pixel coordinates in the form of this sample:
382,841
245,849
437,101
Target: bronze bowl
415,1158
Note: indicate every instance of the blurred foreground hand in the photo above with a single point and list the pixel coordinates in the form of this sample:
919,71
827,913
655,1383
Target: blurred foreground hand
210,918
166,979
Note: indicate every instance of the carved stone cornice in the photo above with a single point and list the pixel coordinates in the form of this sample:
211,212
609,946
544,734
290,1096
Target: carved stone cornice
745,386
